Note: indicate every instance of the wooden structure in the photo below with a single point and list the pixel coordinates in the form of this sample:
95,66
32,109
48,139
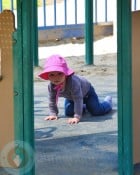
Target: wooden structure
6,80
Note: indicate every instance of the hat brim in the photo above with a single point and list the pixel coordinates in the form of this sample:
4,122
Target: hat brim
44,74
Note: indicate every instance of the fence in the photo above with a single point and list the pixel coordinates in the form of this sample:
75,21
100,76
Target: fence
53,13
58,14
71,12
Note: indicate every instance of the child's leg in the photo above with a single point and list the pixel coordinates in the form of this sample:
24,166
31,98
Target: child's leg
94,106
69,107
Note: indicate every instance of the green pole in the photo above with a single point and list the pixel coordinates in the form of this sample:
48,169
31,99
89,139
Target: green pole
124,87
27,25
18,77
89,31
23,83
35,33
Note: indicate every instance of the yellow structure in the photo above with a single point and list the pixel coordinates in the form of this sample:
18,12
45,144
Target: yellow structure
6,79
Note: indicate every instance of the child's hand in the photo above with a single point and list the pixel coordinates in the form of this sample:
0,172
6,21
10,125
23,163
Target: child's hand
51,118
73,120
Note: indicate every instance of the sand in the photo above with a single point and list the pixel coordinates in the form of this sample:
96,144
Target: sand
104,59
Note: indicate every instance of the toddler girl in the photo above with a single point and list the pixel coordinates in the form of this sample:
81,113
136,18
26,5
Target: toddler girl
76,90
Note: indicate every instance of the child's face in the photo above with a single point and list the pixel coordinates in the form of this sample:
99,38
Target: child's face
56,77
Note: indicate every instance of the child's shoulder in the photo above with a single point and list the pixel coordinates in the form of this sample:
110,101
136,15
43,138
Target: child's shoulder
73,77
76,78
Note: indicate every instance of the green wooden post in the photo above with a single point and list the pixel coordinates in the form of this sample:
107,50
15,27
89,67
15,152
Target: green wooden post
18,77
89,31
27,23
23,80
124,88
35,33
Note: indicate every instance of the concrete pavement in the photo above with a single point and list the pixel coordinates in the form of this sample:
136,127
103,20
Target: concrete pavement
88,148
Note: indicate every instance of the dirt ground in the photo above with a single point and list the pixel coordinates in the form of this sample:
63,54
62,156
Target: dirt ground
104,59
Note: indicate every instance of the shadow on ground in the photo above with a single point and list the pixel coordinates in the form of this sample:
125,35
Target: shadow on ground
89,154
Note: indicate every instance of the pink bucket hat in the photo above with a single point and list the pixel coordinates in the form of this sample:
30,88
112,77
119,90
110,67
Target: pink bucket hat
55,63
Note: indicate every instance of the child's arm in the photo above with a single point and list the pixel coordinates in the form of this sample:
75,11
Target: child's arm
74,120
51,117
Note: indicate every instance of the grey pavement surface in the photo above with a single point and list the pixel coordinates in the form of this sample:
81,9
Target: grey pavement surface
87,148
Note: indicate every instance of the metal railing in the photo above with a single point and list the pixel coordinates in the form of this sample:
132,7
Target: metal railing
70,12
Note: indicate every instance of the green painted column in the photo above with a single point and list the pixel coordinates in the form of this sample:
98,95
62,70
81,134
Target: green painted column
27,23
18,77
23,54
35,33
89,31
124,87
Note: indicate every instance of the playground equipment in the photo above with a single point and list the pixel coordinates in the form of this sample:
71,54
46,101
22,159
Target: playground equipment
6,80
16,85
16,88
